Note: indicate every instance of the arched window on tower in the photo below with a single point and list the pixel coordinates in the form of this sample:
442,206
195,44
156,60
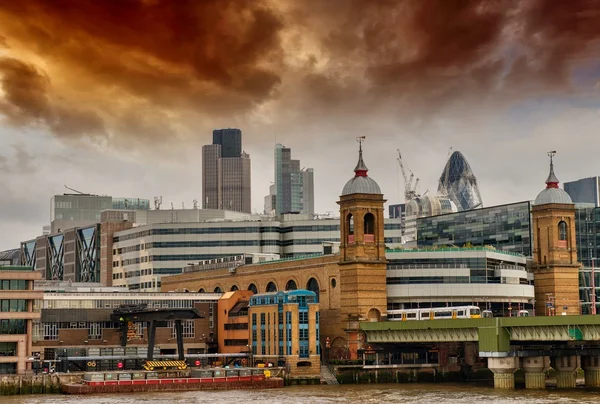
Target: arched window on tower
350,225
369,228
562,234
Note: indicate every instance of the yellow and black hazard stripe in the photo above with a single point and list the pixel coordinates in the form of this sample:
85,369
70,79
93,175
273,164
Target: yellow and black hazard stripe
151,365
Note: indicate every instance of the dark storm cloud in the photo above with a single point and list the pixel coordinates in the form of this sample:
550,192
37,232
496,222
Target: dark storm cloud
146,68
26,101
25,92
427,54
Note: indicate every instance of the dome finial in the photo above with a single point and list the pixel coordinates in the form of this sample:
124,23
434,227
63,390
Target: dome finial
552,181
361,169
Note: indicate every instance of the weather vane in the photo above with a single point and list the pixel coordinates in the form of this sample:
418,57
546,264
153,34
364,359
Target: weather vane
360,140
551,154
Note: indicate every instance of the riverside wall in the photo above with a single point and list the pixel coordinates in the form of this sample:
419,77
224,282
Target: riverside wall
35,384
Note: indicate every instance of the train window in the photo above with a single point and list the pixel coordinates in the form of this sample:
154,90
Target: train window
442,314
425,314
461,313
411,315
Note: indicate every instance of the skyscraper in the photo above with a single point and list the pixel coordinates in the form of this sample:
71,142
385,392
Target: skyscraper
294,187
585,190
230,141
459,183
308,190
226,173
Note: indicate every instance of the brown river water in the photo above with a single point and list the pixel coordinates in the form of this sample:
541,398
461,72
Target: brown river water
359,394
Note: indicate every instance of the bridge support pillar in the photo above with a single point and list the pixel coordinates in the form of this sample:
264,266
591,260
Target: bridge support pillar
504,371
565,367
591,368
535,371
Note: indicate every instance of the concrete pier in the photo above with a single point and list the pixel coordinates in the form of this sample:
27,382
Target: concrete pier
591,368
504,371
565,367
535,371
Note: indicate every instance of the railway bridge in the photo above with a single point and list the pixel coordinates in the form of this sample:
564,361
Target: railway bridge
509,343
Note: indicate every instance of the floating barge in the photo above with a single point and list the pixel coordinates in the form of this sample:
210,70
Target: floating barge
197,379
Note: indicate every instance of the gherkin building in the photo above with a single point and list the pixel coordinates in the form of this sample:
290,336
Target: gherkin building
459,183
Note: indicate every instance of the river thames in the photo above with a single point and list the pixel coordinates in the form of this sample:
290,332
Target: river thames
360,394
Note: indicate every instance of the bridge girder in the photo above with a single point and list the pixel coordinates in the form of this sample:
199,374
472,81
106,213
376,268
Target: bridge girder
433,335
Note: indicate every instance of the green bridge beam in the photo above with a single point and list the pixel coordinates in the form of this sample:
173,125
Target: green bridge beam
492,334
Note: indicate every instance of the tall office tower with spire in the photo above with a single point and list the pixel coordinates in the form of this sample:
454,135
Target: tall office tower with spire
294,186
226,173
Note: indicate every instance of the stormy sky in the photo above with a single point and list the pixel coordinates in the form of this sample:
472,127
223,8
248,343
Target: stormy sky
117,97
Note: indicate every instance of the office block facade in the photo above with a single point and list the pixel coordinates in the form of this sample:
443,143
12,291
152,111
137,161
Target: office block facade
284,327
480,276
141,256
585,190
70,255
80,210
504,227
234,334
16,316
81,322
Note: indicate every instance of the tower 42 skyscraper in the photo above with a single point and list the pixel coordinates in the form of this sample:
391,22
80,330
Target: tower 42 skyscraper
226,173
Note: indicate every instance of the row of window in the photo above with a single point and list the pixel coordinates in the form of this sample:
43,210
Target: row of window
242,229
113,304
12,327
15,305
13,285
418,280
236,342
49,331
238,326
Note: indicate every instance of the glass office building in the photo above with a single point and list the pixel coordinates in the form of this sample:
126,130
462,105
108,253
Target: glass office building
485,277
587,232
585,190
505,227
130,204
459,183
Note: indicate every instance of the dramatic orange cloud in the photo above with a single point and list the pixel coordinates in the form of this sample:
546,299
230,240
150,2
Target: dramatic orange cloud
140,69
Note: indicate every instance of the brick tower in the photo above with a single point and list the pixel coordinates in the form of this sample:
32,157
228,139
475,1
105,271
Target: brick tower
362,253
556,270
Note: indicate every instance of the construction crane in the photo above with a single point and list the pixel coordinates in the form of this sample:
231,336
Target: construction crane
410,188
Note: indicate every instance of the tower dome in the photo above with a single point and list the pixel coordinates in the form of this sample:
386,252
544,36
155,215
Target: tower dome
552,193
361,183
